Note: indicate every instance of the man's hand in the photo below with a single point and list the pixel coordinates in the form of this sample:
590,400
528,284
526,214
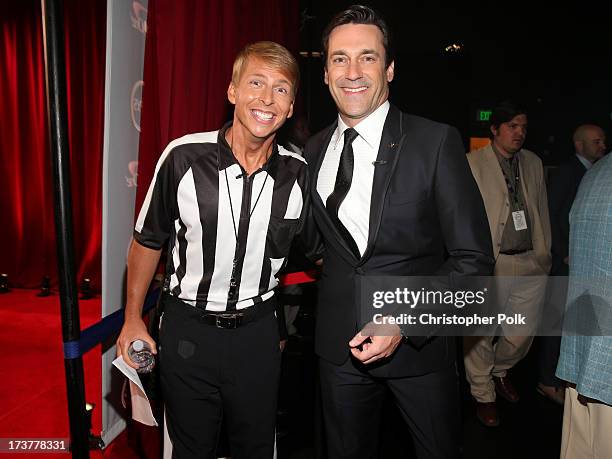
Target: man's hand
283,343
132,330
375,342
142,263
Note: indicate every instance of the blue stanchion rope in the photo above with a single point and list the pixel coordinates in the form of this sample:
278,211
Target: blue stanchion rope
100,331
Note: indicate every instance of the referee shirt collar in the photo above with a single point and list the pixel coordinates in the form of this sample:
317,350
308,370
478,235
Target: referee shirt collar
227,158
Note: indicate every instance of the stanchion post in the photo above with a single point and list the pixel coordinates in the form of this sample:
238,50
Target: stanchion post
57,106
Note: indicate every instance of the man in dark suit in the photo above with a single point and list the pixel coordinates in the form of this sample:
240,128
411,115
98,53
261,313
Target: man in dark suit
590,145
393,196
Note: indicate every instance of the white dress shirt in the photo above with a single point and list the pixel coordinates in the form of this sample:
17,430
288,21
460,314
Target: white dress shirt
585,162
354,212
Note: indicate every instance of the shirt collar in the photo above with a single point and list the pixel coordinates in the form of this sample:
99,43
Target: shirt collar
226,156
585,162
501,157
369,129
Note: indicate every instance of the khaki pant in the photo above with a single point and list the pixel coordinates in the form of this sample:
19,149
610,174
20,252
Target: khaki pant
586,429
521,288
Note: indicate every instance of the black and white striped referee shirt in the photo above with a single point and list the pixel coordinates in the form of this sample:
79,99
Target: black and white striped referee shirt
228,233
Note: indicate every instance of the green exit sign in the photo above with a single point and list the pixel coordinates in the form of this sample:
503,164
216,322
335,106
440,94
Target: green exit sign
484,115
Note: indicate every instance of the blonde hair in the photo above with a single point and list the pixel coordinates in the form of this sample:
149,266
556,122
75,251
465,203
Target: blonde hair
273,54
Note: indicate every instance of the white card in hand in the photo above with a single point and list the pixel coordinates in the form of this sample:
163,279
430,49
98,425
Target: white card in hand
520,222
141,407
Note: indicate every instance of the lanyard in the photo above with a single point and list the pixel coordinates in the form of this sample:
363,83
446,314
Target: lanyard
247,179
513,185
513,188
229,194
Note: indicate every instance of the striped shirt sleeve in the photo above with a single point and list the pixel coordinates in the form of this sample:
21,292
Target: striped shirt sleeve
154,224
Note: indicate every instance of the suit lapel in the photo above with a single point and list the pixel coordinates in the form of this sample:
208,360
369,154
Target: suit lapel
325,222
317,201
580,170
388,153
493,165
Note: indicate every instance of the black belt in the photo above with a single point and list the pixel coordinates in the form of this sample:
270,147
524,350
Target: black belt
515,252
225,319
238,318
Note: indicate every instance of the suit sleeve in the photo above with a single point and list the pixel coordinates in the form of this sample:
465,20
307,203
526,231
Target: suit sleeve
308,239
463,221
282,321
558,196
462,214
543,210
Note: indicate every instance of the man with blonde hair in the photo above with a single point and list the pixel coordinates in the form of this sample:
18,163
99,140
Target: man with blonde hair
228,204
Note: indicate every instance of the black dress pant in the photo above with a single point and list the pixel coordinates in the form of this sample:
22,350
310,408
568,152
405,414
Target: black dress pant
208,373
352,402
548,357
549,346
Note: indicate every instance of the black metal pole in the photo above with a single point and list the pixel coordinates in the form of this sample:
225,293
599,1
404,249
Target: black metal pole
71,328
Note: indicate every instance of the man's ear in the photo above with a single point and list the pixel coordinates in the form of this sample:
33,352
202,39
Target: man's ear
493,130
231,93
391,72
290,114
325,77
578,144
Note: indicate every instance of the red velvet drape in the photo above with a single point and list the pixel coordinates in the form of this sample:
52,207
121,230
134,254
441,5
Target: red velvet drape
189,52
190,48
26,193
25,183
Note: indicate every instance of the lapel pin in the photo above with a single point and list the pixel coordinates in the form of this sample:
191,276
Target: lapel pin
379,162
392,145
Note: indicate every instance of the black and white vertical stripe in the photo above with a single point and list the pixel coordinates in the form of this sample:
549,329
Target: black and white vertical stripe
196,186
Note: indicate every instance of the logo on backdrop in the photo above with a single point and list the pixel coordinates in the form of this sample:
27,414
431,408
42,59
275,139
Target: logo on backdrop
138,15
133,171
136,103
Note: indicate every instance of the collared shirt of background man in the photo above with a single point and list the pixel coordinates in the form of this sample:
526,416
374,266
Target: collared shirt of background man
392,195
228,205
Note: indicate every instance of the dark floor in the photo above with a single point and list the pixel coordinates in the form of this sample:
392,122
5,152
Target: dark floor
529,429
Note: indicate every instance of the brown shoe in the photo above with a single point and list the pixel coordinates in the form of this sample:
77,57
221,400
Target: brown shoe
487,414
552,393
505,389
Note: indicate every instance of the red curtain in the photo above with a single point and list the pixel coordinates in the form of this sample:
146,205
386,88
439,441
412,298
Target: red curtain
189,53
190,48
27,230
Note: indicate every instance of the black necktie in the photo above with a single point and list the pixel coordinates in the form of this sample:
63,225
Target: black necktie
342,186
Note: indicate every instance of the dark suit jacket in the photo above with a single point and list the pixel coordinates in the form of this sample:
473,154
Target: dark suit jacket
562,188
426,218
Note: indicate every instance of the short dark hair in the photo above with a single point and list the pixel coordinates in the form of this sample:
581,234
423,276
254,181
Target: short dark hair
359,14
505,111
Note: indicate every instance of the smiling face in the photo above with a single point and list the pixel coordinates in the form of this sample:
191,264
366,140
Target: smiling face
509,136
263,98
355,71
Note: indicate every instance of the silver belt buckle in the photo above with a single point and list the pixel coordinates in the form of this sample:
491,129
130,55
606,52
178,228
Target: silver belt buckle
227,321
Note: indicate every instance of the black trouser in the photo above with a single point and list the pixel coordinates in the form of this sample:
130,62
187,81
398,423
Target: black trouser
548,356
549,346
352,404
208,373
